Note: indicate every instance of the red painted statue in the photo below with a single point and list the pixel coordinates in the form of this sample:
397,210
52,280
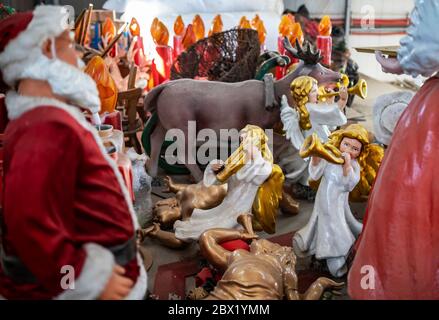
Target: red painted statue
398,252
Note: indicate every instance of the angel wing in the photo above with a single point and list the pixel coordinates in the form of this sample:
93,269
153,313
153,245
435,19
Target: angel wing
267,200
369,170
290,120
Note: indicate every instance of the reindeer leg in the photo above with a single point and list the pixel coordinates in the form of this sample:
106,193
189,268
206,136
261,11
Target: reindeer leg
190,159
157,138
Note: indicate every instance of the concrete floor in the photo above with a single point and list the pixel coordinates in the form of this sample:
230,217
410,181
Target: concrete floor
361,112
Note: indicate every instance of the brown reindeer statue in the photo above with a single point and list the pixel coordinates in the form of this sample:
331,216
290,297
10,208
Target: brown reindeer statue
220,105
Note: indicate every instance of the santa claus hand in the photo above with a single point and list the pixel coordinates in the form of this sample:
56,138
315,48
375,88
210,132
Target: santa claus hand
118,286
388,65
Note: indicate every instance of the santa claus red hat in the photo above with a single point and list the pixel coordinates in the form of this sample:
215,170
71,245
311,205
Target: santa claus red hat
22,36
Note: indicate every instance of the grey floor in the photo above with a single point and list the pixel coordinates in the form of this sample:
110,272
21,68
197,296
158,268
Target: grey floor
361,112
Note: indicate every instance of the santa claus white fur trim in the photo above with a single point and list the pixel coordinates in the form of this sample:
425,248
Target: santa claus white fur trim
22,52
17,105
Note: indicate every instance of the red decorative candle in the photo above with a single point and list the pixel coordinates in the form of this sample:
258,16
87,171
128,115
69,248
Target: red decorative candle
178,46
280,71
164,62
324,40
155,74
178,36
139,57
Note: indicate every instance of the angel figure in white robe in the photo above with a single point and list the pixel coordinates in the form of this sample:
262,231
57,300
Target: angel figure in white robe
254,185
332,229
306,118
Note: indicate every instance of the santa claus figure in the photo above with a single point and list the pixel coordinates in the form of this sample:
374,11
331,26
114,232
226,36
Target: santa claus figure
398,252
68,229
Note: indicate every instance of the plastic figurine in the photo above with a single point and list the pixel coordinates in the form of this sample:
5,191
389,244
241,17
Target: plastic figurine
236,104
398,251
66,210
332,229
310,117
265,272
254,184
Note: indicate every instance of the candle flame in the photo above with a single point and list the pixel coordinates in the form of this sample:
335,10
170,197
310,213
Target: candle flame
217,25
286,25
134,28
109,29
296,33
198,27
189,37
244,23
159,33
179,26
258,25
325,26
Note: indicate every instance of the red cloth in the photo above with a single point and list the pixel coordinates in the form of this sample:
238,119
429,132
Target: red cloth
400,238
59,194
233,245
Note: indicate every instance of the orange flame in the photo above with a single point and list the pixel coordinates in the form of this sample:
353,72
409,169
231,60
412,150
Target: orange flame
97,69
189,37
296,33
179,26
159,32
286,25
255,21
325,26
217,25
198,26
109,28
258,24
134,28
244,23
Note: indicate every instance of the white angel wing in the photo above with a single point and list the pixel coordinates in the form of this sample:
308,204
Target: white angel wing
290,120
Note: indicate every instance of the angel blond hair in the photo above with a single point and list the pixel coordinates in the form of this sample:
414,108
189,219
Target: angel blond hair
369,159
269,192
300,90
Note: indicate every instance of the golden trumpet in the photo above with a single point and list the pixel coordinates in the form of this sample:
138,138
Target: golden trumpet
313,147
360,89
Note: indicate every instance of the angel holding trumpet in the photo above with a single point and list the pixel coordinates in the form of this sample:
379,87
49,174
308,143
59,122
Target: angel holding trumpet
342,164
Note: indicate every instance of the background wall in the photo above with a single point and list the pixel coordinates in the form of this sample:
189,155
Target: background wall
23,5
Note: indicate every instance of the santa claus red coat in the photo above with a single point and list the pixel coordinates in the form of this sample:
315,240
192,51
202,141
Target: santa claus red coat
398,252
65,205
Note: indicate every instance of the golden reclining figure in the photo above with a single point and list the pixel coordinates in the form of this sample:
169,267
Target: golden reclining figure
267,272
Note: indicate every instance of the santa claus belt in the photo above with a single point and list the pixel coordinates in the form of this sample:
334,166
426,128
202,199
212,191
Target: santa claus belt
15,269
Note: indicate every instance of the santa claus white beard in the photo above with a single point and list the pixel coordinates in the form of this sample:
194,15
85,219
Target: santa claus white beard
66,81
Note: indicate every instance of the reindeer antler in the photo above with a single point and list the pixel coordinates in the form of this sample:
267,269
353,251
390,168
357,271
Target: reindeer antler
309,56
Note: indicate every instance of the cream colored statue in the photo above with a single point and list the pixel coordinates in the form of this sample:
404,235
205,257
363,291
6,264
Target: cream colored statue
266,272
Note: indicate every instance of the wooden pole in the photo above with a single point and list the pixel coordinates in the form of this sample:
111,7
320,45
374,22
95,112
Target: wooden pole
87,24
